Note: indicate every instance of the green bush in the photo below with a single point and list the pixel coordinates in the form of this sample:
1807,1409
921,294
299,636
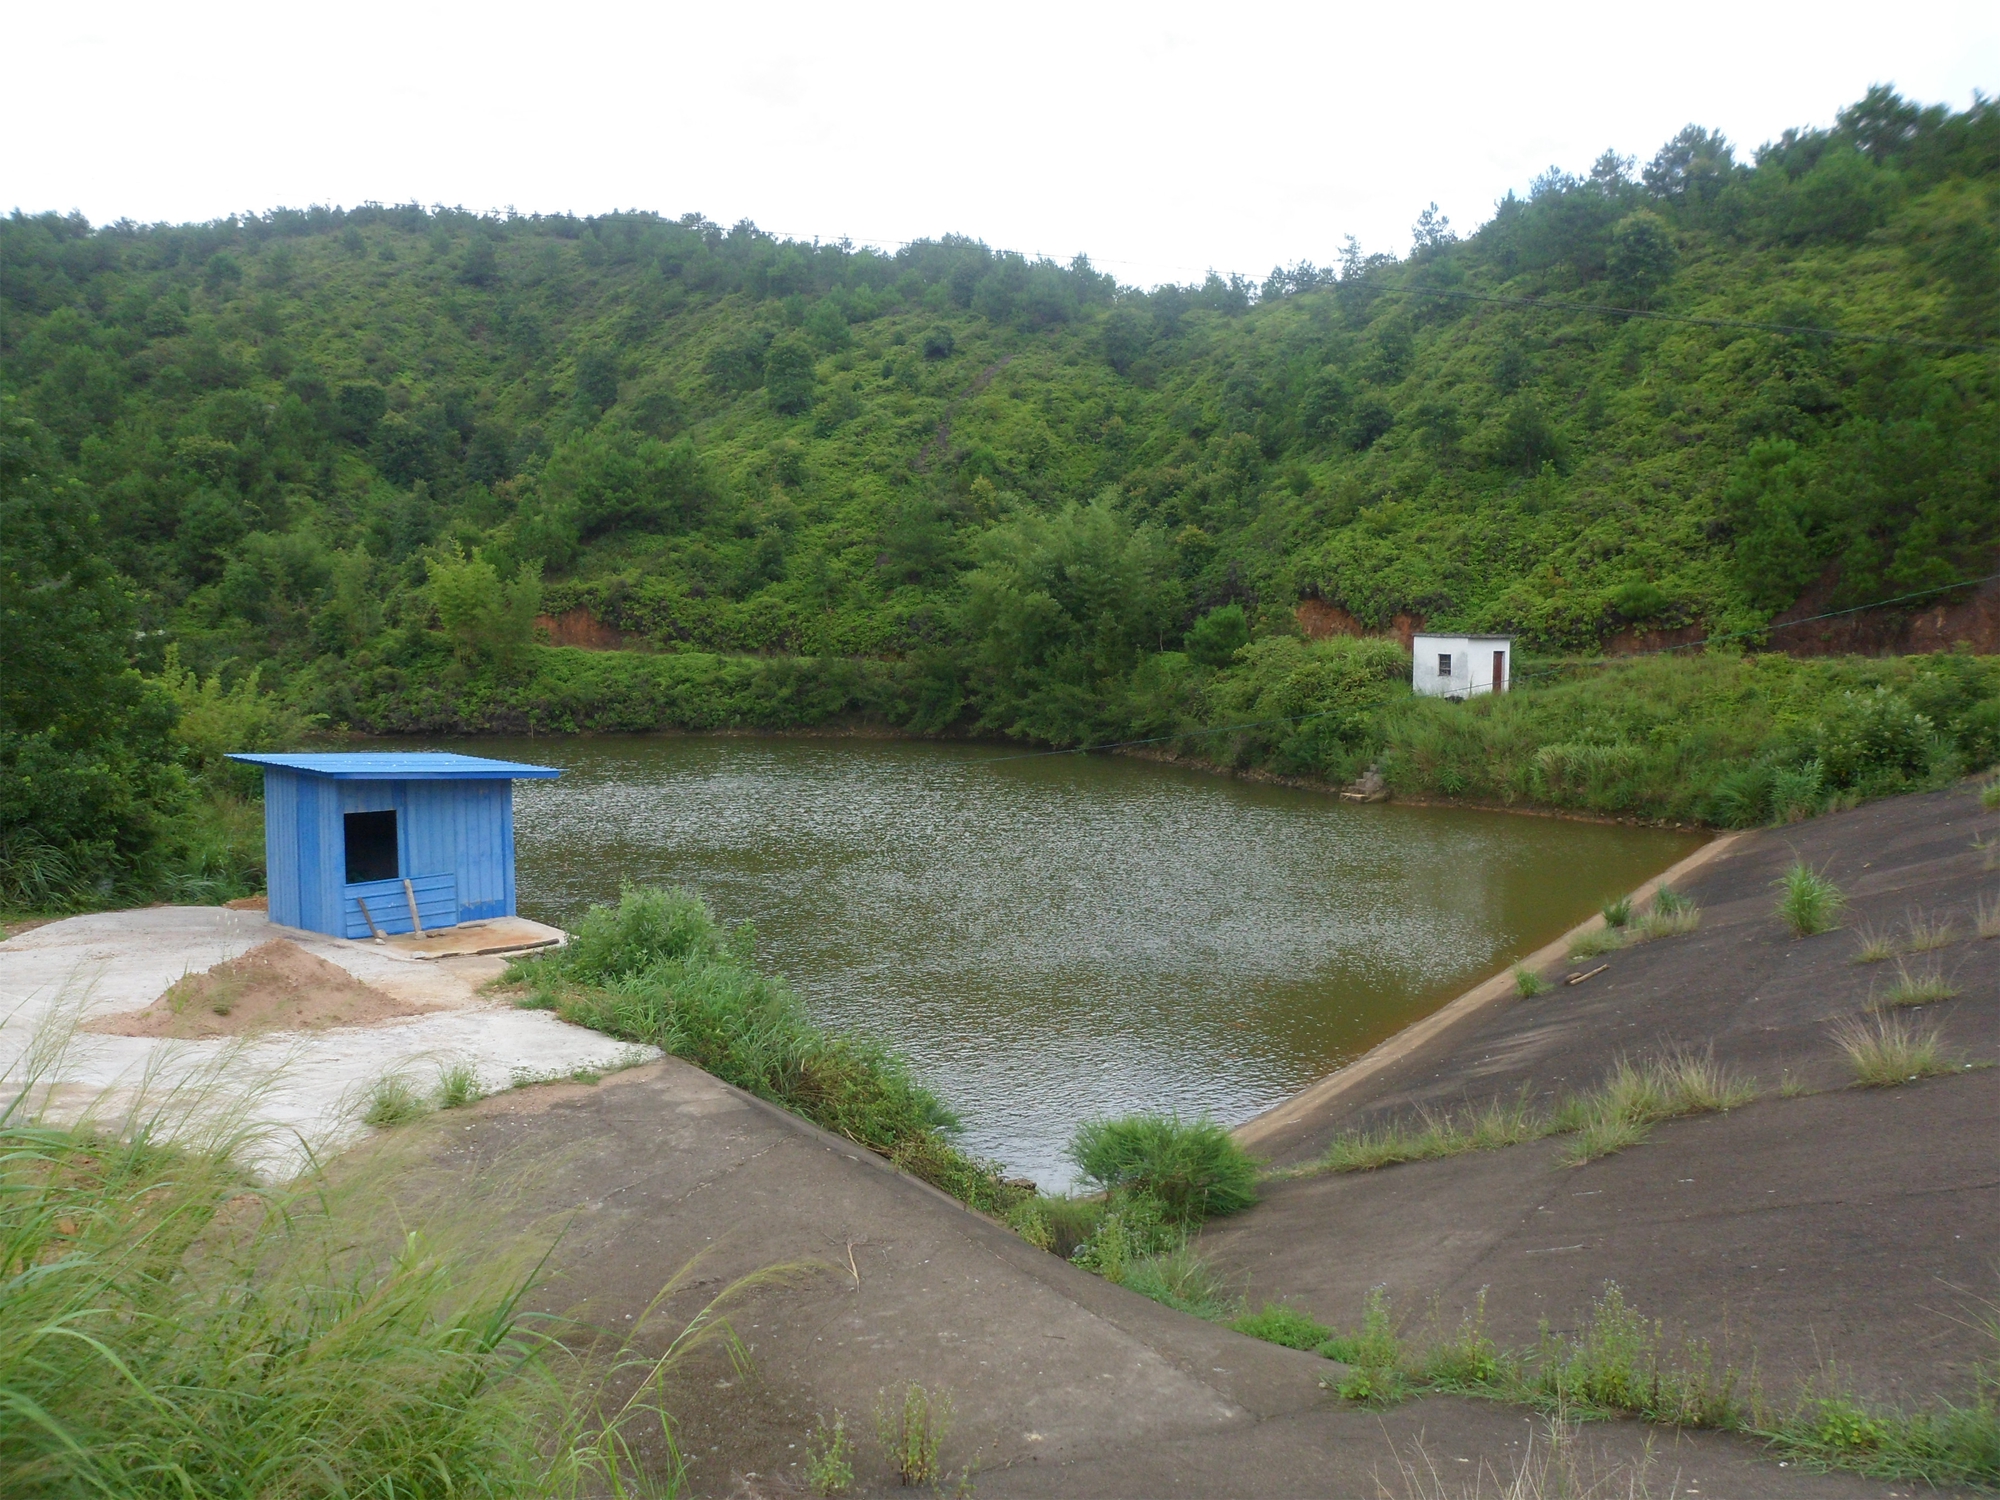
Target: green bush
1278,1323
1193,1169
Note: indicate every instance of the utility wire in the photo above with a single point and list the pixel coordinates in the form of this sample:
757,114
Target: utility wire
1832,614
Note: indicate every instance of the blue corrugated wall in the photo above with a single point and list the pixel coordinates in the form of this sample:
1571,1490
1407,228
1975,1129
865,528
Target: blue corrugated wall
464,829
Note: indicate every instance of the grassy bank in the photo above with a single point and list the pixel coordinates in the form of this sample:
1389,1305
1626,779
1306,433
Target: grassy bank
658,969
1724,740
170,1327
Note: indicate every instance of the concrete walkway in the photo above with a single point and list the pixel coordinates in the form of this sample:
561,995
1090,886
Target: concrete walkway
307,1085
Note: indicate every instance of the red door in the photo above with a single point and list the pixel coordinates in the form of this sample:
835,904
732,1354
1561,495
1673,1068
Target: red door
1499,671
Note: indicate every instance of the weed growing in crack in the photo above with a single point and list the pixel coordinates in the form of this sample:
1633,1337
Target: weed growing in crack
1923,986
913,1431
1527,983
829,1457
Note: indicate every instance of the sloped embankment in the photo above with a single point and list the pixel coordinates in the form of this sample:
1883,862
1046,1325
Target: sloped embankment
1821,1224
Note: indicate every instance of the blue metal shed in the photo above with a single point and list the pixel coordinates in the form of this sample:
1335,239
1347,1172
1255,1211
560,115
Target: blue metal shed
356,845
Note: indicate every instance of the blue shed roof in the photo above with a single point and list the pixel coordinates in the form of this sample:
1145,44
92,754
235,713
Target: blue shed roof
412,765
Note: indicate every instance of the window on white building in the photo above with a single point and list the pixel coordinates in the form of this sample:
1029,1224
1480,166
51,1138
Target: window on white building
1444,664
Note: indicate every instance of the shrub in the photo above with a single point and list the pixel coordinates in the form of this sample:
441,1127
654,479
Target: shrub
1193,1169
1809,903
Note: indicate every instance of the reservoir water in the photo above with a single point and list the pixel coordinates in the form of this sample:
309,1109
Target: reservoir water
1049,938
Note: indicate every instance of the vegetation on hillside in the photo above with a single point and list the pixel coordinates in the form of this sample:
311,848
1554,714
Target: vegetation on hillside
949,488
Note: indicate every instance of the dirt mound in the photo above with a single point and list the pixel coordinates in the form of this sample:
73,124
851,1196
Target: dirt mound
276,986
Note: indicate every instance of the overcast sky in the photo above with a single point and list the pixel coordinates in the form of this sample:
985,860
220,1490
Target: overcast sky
1162,139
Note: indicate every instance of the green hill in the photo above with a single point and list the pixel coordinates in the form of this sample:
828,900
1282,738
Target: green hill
955,488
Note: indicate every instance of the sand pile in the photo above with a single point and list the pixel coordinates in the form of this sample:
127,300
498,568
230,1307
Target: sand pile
276,986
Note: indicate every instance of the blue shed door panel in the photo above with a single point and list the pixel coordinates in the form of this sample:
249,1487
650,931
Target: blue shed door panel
465,827
389,905
281,845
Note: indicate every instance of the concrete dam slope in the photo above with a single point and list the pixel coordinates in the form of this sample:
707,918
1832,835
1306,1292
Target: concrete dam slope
1829,1224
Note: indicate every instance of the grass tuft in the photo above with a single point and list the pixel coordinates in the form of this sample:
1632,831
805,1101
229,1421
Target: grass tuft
1876,945
1924,986
1928,934
1810,903
1527,983
1617,913
1886,1050
1277,1323
1989,795
1672,914
458,1086
1430,1135
1596,941
172,1327
392,1101
1986,917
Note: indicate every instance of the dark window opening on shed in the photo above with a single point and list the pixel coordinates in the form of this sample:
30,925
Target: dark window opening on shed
371,847
1444,664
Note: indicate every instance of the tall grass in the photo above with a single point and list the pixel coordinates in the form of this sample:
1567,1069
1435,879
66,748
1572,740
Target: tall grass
1808,902
657,968
170,1328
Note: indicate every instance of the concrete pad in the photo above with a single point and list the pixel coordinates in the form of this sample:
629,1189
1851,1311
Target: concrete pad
306,1085
478,939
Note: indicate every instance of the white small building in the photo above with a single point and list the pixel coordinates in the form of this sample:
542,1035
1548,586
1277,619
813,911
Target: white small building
1458,666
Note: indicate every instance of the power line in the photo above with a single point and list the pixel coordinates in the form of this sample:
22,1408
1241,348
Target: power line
1665,317
1832,614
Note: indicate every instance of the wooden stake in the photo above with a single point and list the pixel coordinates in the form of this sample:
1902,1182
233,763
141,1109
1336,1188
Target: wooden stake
410,894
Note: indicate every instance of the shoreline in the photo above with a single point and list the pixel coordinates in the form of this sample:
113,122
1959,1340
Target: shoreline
1262,1127
1155,756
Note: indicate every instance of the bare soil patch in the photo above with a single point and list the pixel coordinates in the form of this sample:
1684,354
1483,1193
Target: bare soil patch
276,986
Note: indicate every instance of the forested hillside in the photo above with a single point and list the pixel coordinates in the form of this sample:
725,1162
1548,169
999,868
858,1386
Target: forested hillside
364,450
